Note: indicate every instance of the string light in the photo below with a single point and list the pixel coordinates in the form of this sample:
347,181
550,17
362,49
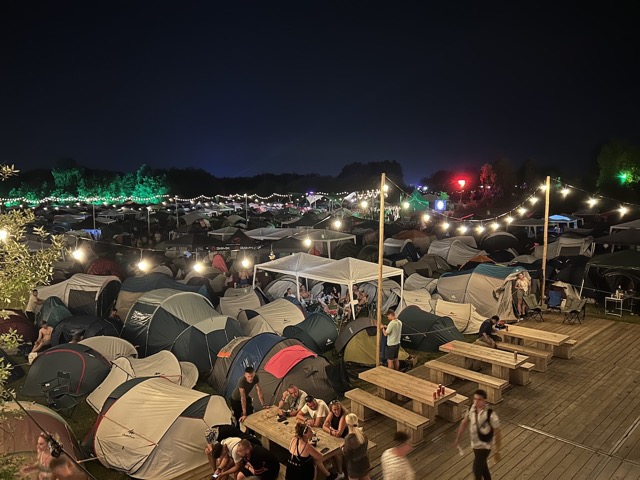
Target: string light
543,187
198,267
462,229
564,192
78,255
522,210
533,200
445,226
307,242
592,202
426,217
623,210
364,204
480,228
495,225
143,265
337,224
509,219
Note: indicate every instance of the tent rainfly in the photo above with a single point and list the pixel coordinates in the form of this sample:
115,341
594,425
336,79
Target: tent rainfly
272,317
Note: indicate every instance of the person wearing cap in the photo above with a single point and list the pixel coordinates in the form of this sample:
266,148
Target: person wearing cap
393,332
314,412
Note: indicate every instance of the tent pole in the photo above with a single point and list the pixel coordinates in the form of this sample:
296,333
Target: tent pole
255,272
401,291
297,287
353,308
380,264
545,236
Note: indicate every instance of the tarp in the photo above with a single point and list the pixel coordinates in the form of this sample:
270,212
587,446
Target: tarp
283,361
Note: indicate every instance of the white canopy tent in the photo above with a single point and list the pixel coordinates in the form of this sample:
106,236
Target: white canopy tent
625,226
348,271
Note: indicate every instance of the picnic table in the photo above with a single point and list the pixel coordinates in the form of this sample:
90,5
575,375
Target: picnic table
557,343
501,362
390,382
265,422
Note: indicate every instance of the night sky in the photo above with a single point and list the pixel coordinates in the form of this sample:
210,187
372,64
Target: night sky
245,87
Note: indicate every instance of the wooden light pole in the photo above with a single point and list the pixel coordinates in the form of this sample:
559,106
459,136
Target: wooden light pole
545,245
380,264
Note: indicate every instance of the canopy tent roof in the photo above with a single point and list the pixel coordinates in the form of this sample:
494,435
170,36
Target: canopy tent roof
627,259
625,225
292,264
629,236
271,233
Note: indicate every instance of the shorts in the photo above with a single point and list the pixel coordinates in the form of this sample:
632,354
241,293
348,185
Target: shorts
519,293
392,352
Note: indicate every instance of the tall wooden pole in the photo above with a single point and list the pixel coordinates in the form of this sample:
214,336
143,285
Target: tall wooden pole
380,264
545,246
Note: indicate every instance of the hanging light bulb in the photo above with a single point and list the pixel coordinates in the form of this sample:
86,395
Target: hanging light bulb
198,267
78,255
543,187
307,242
592,202
480,228
426,217
385,188
509,219
337,224
533,200
623,210
272,256
245,262
462,229
445,226
143,265
405,205
495,225
522,210
565,192
364,204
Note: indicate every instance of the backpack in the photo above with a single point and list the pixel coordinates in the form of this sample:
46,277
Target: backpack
485,437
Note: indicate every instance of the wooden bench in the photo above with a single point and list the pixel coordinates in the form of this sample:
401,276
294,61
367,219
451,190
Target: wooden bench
363,403
441,372
540,358
453,408
565,350
520,376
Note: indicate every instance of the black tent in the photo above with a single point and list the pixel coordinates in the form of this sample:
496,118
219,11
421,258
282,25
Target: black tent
86,325
87,369
631,236
317,332
495,241
53,311
347,249
425,331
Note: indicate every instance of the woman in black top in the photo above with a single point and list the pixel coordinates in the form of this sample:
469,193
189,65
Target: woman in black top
336,426
304,458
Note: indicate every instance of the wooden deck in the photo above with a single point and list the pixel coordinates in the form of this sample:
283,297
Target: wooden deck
578,420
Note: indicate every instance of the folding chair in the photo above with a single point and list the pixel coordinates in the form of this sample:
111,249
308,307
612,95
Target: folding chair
574,310
534,309
57,392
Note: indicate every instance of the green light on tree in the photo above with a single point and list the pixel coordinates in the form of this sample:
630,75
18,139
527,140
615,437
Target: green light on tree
625,177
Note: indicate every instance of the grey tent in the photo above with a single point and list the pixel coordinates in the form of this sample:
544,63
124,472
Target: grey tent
85,294
425,331
317,332
53,311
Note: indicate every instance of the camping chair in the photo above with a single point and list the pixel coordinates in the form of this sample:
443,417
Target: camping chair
554,299
534,309
57,392
574,310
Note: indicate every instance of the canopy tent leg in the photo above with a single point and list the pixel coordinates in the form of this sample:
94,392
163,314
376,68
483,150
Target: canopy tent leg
255,272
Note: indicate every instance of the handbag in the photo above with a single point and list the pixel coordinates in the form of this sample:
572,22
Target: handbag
485,437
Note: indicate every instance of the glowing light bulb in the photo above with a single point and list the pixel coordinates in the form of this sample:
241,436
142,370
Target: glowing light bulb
480,229
495,225
508,219
623,210
426,217
307,242
364,204
592,202
337,224
533,200
565,192
386,188
522,210
3,235
405,205
245,262
445,226
143,265
198,267
543,187
78,255
462,229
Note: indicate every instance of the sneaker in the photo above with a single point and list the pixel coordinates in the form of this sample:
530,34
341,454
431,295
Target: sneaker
340,476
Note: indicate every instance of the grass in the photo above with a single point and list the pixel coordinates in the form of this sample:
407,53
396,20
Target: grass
84,417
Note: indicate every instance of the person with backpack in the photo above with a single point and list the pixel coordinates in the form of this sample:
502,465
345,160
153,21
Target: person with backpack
484,430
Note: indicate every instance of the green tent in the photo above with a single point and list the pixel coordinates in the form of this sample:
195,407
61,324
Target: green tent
417,201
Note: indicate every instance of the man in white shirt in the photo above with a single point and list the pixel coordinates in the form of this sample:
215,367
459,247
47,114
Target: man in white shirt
484,430
394,463
33,305
224,457
393,332
314,412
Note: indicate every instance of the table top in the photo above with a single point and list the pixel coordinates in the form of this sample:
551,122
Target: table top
406,385
534,334
484,354
265,422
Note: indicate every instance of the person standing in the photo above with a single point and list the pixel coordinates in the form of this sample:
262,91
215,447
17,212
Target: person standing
355,451
484,430
33,305
522,290
395,465
393,332
241,402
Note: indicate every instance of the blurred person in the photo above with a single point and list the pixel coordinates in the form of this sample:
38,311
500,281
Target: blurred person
256,461
43,459
355,451
395,465
393,332
33,305
44,338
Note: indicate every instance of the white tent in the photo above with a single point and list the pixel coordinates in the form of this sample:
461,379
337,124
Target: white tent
154,429
324,239
162,364
272,317
394,245
271,233
110,347
233,305
85,294
625,226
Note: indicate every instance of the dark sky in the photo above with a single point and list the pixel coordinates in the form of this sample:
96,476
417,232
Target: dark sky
244,87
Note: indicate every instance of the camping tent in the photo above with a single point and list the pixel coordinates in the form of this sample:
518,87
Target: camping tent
292,266
86,325
455,251
567,246
53,311
488,287
106,267
357,343
218,376
625,226
184,323
162,364
110,347
425,331
165,438
19,432
494,241
86,367
17,321
464,315
431,266
621,261
417,282
272,317
317,332
232,306
85,294
629,236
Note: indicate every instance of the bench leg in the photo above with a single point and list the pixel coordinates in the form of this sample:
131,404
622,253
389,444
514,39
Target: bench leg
450,411
361,411
541,364
415,436
544,346
499,371
563,351
439,377
519,376
494,395
386,394
424,410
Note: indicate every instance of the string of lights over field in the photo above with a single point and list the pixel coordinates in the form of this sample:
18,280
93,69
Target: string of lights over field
360,199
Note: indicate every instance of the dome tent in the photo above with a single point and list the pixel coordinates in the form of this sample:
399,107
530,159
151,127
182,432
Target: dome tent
425,331
85,294
53,311
184,323
110,347
317,332
218,376
16,372
17,321
162,364
87,325
165,437
272,317
86,367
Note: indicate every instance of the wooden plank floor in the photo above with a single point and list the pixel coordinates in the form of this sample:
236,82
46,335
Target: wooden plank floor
578,420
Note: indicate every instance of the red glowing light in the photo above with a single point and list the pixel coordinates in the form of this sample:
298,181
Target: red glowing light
462,183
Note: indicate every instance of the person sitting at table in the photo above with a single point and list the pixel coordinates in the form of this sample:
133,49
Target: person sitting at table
304,458
363,300
292,401
305,296
256,461
314,412
336,426
332,308
223,457
486,332
289,293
